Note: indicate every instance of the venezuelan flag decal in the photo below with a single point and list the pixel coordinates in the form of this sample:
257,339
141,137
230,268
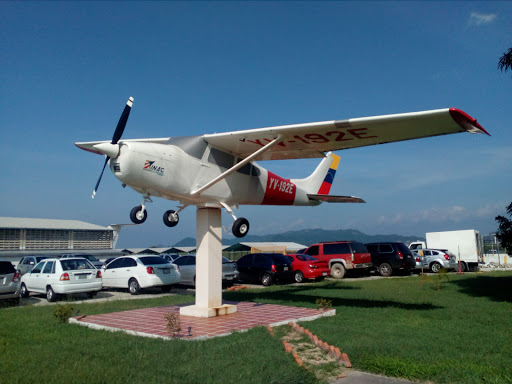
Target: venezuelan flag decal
329,177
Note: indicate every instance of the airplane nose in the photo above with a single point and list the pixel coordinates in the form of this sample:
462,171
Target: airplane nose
111,150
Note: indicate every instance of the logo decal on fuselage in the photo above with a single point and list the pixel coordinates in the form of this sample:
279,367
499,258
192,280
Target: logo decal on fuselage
150,166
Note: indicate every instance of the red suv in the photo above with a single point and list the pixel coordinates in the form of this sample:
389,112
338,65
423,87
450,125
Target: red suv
342,256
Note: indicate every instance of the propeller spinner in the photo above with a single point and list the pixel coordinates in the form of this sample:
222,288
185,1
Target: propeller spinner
117,136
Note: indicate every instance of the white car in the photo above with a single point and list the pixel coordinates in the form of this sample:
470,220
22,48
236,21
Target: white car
55,277
138,272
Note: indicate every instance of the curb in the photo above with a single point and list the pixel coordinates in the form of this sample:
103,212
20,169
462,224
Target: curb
330,349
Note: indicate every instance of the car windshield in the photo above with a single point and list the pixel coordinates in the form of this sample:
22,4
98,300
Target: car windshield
39,258
76,264
152,260
6,268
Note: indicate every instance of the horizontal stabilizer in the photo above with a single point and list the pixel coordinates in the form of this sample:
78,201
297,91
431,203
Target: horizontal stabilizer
336,199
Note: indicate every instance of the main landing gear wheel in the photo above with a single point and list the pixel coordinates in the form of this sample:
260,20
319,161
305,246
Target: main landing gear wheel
138,215
171,218
240,227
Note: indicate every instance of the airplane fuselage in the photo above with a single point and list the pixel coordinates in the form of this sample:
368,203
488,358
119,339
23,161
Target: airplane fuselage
170,172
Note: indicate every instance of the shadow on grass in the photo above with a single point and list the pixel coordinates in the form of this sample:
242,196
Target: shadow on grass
496,288
294,296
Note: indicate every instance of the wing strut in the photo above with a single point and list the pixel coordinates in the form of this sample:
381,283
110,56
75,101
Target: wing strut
237,166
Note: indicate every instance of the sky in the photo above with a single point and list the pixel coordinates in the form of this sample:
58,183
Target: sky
67,69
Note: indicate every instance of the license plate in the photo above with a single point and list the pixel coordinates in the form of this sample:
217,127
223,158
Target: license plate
324,273
167,271
285,268
82,276
229,278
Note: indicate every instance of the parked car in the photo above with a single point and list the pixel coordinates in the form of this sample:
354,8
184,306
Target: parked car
265,268
435,259
389,257
187,264
170,257
342,256
9,282
28,262
56,277
308,267
137,272
94,261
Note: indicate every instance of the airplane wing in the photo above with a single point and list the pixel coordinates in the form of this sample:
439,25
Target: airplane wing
313,139
89,145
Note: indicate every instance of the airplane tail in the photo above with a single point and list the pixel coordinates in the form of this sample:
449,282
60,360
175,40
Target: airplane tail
318,184
320,181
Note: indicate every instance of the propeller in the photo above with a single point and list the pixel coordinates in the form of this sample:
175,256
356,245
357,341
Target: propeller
117,136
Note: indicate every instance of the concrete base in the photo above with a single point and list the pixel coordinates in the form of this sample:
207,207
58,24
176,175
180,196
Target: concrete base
195,311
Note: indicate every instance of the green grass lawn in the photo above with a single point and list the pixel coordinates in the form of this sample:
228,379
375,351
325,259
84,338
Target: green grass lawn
397,327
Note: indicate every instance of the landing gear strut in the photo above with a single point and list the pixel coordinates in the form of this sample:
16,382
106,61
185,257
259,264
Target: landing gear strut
240,226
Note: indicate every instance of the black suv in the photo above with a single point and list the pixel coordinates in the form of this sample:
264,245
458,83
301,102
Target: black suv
391,256
264,267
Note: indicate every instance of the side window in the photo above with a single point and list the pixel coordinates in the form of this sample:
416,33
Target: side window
336,248
222,159
427,253
28,260
372,248
312,251
38,267
385,248
48,268
129,262
117,263
245,260
261,261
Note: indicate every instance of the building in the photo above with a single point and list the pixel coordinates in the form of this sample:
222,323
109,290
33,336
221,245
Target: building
21,236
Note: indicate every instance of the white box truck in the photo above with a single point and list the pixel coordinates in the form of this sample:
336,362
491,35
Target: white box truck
466,244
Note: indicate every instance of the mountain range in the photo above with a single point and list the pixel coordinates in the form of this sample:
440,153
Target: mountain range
308,237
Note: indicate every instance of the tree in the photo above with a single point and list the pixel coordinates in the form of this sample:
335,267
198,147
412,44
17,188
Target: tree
505,63
504,233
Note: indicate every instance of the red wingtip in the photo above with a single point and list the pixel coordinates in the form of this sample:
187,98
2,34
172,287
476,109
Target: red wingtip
467,122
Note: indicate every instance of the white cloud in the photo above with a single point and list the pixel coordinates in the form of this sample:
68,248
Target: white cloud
479,18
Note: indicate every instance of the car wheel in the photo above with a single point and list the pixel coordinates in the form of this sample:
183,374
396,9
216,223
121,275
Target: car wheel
134,287
51,296
24,291
299,277
338,271
385,269
435,267
266,279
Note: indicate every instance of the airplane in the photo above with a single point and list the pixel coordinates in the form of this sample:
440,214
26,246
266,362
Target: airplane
219,170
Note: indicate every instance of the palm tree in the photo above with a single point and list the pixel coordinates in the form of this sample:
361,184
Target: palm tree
505,62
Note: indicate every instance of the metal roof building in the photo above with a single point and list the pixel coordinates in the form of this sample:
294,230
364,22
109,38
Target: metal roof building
26,234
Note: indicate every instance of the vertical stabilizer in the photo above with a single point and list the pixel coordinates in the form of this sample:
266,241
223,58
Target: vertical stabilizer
320,181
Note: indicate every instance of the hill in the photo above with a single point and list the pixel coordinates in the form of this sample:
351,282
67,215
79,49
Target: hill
309,236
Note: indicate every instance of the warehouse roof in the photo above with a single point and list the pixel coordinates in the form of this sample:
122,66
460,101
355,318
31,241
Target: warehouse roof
27,223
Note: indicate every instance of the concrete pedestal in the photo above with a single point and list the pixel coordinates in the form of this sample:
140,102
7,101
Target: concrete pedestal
208,267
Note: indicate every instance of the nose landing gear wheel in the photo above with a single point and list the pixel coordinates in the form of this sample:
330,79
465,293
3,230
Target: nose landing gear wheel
171,218
240,227
138,215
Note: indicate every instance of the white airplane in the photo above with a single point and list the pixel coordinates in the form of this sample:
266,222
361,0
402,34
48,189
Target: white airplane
219,170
